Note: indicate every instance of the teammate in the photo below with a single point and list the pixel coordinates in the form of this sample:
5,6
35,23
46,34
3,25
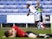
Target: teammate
16,31
37,15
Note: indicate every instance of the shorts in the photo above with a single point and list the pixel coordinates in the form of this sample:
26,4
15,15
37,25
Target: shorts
31,34
37,16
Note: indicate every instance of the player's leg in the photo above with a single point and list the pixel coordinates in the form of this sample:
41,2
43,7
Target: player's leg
37,19
43,36
41,17
42,24
36,22
50,35
34,35
31,34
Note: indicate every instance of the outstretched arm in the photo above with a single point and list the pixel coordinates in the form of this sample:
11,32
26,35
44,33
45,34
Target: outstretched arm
13,32
28,13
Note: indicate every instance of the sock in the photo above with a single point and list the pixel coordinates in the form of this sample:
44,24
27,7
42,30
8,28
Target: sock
39,25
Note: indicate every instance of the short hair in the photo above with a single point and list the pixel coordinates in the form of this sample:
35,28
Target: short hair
28,4
6,33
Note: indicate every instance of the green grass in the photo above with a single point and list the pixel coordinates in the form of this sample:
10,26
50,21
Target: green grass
48,31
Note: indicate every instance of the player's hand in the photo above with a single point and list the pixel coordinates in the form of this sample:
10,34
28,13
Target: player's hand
28,14
3,37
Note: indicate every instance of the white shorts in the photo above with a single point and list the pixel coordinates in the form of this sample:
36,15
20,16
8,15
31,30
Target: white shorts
31,35
37,17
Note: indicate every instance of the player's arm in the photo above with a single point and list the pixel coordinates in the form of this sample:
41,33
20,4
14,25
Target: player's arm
14,32
3,36
28,13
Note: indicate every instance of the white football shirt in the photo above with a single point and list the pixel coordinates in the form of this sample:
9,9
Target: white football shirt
32,9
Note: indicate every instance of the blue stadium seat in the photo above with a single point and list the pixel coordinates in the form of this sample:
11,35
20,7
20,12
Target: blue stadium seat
19,6
2,18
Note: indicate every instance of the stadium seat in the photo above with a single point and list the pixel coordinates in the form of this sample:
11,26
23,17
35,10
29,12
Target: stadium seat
19,6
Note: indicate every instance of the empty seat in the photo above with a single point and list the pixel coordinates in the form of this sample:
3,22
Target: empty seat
19,6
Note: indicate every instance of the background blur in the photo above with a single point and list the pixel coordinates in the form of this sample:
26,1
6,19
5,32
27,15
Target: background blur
15,12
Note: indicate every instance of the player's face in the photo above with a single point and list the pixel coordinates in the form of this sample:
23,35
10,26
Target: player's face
38,4
10,32
27,6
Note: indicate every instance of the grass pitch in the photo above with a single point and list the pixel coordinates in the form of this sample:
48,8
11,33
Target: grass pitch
46,31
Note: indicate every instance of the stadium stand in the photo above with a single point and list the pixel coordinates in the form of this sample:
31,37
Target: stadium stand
8,7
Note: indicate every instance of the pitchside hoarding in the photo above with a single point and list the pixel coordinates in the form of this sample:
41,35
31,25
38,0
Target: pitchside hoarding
23,18
26,19
20,19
